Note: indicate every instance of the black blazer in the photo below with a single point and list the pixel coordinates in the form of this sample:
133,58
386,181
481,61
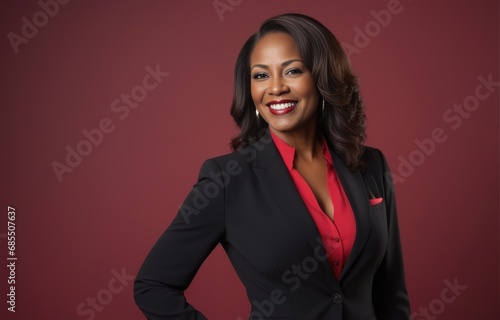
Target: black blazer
247,202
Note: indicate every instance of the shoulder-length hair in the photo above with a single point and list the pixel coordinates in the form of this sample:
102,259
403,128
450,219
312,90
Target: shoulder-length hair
342,121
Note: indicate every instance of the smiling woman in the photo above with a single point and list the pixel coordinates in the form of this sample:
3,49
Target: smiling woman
282,84
318,55
304,210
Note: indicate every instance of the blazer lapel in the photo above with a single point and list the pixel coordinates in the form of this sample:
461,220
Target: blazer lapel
354,187
270,168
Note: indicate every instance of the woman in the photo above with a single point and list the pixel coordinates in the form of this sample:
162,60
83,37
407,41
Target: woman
305,212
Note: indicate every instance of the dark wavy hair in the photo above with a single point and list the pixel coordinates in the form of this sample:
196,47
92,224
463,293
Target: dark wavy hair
343,120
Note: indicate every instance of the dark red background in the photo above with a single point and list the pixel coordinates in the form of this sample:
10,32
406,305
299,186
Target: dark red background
108,212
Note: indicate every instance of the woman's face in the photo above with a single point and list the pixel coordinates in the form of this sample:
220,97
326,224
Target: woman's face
282,88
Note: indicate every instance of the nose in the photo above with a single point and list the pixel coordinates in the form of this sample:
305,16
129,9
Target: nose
277,86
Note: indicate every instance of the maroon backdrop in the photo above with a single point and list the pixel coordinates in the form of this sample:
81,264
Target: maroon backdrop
109,109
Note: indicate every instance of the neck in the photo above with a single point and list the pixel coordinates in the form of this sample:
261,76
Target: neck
307,143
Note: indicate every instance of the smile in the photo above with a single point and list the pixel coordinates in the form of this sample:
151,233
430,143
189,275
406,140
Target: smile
281,107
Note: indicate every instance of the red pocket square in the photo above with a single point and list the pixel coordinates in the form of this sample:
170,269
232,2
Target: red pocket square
375,201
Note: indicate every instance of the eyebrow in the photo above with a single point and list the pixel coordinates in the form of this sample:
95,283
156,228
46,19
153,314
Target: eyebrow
284,64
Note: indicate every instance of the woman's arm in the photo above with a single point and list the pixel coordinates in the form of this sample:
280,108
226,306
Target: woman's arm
389,288
176,257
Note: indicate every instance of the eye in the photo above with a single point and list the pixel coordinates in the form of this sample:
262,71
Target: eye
259,76
294,71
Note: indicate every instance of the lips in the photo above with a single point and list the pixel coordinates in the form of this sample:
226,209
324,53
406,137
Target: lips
280,107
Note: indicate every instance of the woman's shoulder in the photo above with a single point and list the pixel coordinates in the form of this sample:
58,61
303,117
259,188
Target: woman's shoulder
263,148
236,158
375,160
371,153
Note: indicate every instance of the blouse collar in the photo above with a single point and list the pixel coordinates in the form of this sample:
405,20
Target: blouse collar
287,152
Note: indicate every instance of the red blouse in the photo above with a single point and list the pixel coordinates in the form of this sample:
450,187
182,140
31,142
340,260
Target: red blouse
338,234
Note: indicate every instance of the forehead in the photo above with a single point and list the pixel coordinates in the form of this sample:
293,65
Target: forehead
274,47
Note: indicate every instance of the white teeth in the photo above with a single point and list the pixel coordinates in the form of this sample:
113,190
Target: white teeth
282,106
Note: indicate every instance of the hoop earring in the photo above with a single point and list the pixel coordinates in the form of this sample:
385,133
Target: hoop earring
257,113
323,106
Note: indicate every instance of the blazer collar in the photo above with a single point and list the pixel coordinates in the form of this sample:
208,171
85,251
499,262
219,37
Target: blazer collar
271,169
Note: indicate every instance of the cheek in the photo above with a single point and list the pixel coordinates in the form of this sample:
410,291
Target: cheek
256,93
308,90
314,96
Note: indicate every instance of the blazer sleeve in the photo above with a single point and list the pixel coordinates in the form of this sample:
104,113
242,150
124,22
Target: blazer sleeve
174,260
390,296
